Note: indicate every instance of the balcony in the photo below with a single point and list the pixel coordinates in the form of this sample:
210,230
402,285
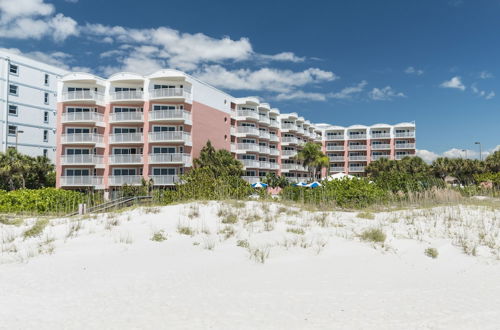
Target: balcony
126,138
332,137
356,169
164,180
170,116
170,94
405,146
246,131
82,138
337,169
120,180
274,152
247,115
357,158
287,140
90,97
126,117
377,157
83,118
357,137
381,147
136,96
81,181
251,179
264,150
274,123
174,158
336,158
250,163
265,165
381,135
274,166
274,138
288,167
288,153
334,148
170,137
401,156
264,135
264,120
128,159
404,134
288,127
88,159
357,147
243,147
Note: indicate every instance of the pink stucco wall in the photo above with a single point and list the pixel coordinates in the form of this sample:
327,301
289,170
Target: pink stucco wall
210,124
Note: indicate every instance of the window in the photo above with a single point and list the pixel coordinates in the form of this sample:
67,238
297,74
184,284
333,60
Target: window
45,135
75,130
12,130
46,98
45,116
13,90
164,171
77,172
46,79
45,153
124,171
12,110
14,69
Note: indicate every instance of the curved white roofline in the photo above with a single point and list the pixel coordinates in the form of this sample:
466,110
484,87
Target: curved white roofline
405,125
265,106
167,73
82,76
247,100
381,125
357,127
125,76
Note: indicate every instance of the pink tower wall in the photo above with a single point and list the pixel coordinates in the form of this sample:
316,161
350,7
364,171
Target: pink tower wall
210,124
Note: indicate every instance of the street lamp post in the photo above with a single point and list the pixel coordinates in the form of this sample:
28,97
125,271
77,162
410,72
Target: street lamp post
480,150
17,136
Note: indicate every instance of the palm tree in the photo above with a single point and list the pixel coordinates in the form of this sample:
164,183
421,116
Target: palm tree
313,158
493,162
218,161
14,167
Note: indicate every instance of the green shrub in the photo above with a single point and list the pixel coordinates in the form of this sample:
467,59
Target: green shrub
243,243
298,231
373,235
366,215
37,228
432,253
351,193
159,236
184,230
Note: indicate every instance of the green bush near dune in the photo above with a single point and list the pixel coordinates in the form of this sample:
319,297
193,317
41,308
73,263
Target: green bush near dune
40,201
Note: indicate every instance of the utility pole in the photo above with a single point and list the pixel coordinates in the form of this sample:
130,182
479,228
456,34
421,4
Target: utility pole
480,150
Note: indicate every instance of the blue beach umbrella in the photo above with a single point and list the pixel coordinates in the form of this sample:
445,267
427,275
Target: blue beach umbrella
314,184
300,184
259,185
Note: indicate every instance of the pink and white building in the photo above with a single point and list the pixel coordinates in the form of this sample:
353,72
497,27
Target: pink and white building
119,130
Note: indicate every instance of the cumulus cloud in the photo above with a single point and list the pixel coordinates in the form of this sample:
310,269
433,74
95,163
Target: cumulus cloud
265,79
384,94
455,82
26,19
348,92
484,94
485,75
301,95
285,56
412,70
426,155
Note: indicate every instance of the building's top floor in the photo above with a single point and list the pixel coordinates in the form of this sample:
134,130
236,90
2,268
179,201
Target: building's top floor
19,62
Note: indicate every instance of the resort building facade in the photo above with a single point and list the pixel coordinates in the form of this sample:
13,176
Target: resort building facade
28,99
129,127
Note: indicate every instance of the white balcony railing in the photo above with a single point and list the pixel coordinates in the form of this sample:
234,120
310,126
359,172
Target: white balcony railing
119,180
401,156
289,140
82,96
169,93
404,134
250,163
170,115
79,181
381,146
274,138
247,114
405,146
357,147
377,157
274,123
356,169
125,159
336,158
264,150
265,165
126,138
127,95
75,117
264,120
170,136
274,166
117,117
274,152
82,138
334,148
164,180
86,159
264,135
247,147
288,153
247,130
357,136
290,127
333,137
380,135
167,158
357,158
337,169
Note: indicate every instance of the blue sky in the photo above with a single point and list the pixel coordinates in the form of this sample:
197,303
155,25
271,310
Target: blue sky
340,62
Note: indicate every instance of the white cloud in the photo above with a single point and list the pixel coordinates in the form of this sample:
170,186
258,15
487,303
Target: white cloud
426,155
412,70
485,75
301,95
59,59
460,153
486,95
384,94
26,19
348,92
265,79
71,1
455,82
285,56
